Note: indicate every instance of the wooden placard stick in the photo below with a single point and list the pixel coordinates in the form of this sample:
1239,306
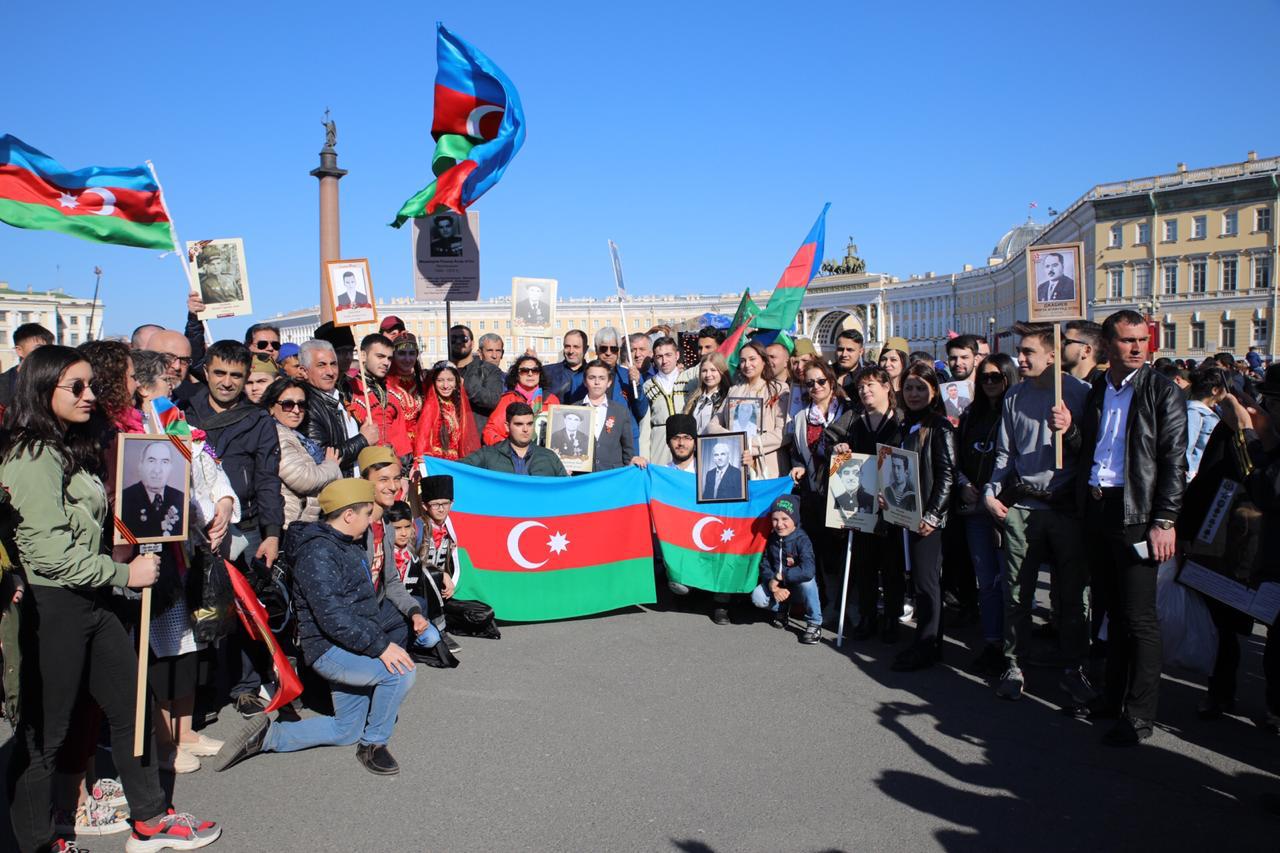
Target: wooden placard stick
1057,390
144,655
364,386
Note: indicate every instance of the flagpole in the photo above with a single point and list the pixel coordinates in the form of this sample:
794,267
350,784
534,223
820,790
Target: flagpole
93,308
622,295
177,246
844,589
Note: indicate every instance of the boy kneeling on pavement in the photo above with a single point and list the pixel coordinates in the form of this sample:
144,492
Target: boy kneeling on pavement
788,568
340,631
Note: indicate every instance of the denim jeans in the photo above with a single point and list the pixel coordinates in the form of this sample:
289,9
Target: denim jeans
806,590
366,698
988,565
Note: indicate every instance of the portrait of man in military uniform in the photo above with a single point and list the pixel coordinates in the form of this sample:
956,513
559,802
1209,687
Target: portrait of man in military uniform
152,501
532,303
219,274
446,237
571,436
851,497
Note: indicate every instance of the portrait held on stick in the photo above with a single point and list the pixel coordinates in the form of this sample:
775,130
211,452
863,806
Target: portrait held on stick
851,497
153,477
533,303
571,436
722,478
221,277
446,257
351,289
898,473
1055,285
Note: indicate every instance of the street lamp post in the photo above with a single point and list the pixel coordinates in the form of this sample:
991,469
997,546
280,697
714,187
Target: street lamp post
991,334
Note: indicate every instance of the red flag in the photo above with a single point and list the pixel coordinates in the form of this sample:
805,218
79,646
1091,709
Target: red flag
254,617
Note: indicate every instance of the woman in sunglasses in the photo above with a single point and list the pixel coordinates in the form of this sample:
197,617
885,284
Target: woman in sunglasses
305,467
979,426
526,383
49,464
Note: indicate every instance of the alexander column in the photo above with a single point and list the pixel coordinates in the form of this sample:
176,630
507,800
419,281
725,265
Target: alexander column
328,174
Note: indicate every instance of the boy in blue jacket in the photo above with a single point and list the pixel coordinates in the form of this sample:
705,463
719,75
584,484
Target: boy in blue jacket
787,568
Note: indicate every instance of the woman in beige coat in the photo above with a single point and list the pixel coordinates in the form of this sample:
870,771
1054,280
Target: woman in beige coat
305,467
767,458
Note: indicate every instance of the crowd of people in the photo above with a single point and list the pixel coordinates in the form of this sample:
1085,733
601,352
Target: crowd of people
305,476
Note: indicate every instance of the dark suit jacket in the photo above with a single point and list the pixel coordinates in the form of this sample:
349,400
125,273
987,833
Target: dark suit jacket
615,447
561,444
1066,290
344,302
730,485
527,312
141,519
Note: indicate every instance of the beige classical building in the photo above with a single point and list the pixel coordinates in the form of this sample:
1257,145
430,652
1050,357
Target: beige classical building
66,316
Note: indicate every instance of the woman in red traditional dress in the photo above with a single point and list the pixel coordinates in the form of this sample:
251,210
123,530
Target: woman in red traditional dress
446,429
405,384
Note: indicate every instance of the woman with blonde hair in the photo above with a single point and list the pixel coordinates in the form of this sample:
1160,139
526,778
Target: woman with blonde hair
713,387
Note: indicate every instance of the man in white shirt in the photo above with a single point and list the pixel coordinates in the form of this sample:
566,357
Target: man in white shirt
666,397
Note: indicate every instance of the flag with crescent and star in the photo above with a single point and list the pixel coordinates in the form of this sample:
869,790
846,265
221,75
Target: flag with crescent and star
539,548
478,128
715,547
106,204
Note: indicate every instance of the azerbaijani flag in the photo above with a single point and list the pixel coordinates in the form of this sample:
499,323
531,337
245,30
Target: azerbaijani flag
785,301
743,322
169,419
478,128
101,203
539,548
715,547
254,618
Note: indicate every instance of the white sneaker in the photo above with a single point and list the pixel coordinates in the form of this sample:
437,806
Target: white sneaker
908,613
181,762
205,746
93,817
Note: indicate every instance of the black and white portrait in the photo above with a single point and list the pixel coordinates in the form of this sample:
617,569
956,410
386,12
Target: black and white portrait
532,303
446,236
351,291
744,416
571,436
851,492
151,488
1055,289
721,475
219,270
899,485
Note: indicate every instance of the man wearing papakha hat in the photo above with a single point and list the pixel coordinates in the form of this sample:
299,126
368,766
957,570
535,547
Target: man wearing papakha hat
341,636
401,616
682,437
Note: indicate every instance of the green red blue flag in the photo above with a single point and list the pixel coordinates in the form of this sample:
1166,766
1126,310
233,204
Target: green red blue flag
478,128
715,547
784,302
539,548
105,204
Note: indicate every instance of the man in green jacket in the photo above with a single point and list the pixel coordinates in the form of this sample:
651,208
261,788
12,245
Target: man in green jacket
517,454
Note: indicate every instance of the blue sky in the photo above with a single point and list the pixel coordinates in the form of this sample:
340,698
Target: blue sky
702,137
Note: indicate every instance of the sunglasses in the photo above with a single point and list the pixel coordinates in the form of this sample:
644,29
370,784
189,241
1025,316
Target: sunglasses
816,383
608,349
992,378
275,345
1066,341
459,338
291,405
76,388
530,371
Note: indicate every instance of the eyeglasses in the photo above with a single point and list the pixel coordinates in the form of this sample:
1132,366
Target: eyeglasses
275,345
1066,341
291,405
460,338
530,371
608,349
76,388
992,378
820,382
184,360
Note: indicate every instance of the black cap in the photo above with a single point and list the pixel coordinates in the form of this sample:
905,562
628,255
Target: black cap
438,487
681,425
1270,384
337,336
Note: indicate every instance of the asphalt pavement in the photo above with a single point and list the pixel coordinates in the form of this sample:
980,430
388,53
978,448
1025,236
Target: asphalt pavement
656,730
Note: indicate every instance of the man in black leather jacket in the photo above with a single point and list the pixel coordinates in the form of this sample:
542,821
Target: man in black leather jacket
1134,448
328,422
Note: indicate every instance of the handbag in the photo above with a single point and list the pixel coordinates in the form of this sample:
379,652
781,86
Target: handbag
471,618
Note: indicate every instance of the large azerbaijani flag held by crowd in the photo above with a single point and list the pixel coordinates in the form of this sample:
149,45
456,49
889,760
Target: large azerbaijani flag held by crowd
540,548
716,546
106,204
478,128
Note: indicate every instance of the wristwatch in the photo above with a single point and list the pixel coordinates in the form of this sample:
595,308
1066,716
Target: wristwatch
1163,523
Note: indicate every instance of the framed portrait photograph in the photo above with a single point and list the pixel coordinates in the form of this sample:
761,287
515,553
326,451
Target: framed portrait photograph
571,435
221,277
851,492
351,291
533,305
446,257
743,415
1055,283
956,397
898,479
153,484
722,478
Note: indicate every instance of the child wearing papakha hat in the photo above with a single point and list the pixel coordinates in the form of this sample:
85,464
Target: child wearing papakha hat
342,639
787,568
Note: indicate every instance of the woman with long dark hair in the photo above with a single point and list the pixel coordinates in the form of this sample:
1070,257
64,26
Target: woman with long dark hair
927,432
305,467
527,383
976,437
447,429
48,463
765,453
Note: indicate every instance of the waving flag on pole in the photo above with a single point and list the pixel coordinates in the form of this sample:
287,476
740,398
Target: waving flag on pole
478,128
105,204
743,322
785,301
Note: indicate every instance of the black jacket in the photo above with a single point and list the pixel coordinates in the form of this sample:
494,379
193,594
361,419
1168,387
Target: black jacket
326,427
333,592
976,438
939,464
246,441
484,384
8,384
1155,453
853,428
